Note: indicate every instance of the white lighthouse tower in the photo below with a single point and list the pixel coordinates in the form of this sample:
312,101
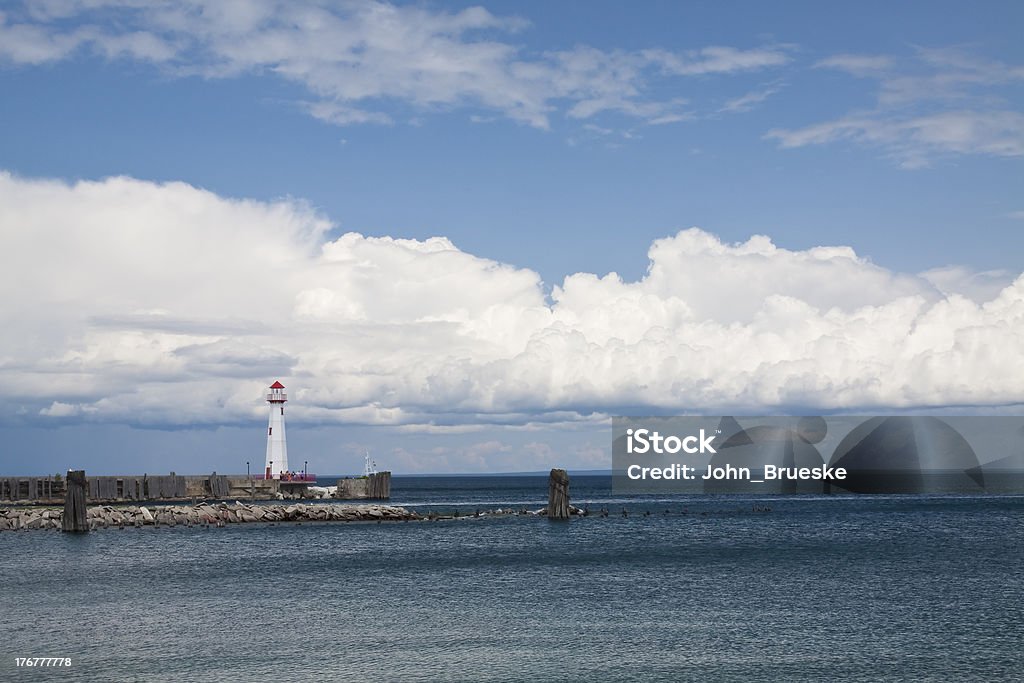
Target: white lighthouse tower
277,447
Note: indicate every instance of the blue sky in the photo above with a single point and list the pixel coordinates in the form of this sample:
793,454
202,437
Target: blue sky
549,144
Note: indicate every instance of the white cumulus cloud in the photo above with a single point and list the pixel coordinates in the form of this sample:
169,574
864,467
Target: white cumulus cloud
143,303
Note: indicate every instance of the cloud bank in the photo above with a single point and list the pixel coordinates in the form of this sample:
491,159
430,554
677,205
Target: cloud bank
164,304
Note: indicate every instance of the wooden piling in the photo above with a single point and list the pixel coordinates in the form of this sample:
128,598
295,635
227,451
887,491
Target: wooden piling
379,486
558,494
75,513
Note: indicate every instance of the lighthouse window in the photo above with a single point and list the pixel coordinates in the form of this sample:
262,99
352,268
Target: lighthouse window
282,410
270,430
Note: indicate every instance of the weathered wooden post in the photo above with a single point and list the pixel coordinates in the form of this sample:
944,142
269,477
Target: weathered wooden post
75,514
379,486
558,494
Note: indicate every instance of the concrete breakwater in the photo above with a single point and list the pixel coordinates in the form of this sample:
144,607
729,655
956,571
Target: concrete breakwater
147,487
376,485
176,487
218,514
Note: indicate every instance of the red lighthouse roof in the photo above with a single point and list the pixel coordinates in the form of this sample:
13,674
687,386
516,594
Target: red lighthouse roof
277,385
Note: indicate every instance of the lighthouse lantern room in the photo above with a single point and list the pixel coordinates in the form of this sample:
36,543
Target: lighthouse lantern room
277,447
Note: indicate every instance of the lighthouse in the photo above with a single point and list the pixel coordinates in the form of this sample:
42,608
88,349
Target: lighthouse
277,447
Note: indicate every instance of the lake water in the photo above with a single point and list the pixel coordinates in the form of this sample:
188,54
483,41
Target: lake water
730,588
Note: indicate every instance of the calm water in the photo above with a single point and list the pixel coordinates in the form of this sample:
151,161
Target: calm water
841,588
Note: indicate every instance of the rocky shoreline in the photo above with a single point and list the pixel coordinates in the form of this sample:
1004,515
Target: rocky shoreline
202,514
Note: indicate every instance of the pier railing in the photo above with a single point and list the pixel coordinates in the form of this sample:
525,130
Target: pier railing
300,477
